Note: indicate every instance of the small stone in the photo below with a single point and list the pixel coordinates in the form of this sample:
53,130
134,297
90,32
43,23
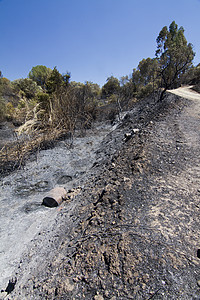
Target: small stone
107,293
126,179
136,274
135,130
198,282
69,287
98,297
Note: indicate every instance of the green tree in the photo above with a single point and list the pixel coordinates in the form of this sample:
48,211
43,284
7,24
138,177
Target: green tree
174,56
144,78
66,78
146,72
112,86
39,74
148,69
55,80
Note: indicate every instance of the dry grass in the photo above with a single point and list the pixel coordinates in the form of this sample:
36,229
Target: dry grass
14,154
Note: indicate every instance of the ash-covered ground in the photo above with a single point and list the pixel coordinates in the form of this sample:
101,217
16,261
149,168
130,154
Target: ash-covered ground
132,230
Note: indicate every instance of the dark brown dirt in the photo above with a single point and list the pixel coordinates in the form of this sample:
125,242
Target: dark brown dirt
133,230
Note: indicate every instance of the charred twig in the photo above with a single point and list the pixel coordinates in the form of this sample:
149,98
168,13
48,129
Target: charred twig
156,292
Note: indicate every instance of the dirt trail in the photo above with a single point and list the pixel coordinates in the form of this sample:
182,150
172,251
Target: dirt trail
174,149
134,230
186,92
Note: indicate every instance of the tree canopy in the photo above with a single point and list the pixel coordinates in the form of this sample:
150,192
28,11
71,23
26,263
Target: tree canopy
112,86
39,74
174,55
50,90
54,81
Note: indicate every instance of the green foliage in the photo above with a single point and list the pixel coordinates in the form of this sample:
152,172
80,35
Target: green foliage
39,74
145,90
112,86
192,77
5,86
10,111
144,78
55,80
174,55
148,70
66,78
2,109
145,72
87,92
196,75
26,87
49,97
6,108
93,89
87,95
44,101
113,98
7,91
127,89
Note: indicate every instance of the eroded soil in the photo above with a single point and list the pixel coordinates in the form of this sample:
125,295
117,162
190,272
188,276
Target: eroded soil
132,232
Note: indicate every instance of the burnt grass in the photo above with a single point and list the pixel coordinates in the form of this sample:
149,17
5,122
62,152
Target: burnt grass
126,235
14,154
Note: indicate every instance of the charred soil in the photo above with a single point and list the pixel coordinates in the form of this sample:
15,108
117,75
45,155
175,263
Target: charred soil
132,231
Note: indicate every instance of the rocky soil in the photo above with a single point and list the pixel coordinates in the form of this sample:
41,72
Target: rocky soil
132,230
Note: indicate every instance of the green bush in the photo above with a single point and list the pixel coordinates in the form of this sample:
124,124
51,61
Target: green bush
10,111
44,100
2,109
145,91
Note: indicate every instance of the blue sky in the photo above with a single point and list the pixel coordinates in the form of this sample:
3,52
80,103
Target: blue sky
91,39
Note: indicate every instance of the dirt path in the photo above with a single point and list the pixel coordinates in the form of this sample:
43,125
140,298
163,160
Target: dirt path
134,231
186,92
174,151
177,149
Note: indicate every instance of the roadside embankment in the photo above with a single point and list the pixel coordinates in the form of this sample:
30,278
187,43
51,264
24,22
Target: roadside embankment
133,230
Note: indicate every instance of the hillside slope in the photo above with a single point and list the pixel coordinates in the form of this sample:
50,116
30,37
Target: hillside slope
133,230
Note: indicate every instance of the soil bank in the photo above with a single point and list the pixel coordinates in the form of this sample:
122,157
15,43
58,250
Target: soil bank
132,232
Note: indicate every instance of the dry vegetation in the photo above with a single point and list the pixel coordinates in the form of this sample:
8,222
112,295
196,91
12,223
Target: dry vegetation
14,154
47,106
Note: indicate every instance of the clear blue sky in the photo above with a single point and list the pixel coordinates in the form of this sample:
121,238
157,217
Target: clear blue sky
92,39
